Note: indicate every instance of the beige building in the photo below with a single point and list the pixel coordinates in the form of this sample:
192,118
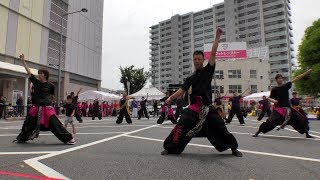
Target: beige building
33,27
238,75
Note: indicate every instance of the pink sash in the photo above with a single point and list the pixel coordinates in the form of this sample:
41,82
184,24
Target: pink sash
47,112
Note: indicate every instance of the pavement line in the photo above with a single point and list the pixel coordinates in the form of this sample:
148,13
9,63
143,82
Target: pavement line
31,176
260,135
81,127
47,171
242,150
315,132
23,153
135,122
97,133
269,135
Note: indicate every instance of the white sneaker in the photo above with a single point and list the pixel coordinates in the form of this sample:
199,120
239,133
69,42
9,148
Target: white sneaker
71,142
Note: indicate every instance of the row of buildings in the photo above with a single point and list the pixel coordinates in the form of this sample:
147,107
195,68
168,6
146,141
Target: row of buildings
33,27
265,25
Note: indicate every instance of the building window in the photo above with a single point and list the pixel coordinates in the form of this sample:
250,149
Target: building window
254,88
218,89
261,77
219,74
253,74
235,88
234,74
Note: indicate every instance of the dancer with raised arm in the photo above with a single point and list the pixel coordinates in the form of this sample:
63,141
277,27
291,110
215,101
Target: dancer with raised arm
283,114
42,115
200,118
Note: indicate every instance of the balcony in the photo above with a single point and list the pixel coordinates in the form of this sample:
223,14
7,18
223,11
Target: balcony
275,42
274,11
278,18
273,4
279,66
277,26
282,33
276,50
278,58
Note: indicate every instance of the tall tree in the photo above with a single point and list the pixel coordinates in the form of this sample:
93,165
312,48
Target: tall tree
136,76
309,57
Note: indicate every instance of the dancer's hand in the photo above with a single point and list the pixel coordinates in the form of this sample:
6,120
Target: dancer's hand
219,32
22,57
25,64
169,100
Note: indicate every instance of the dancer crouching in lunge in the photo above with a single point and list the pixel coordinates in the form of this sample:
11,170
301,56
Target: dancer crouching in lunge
166,111
124,109
200,118
42,115
283,114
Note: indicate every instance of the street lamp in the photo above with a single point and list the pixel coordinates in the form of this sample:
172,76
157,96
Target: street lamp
159,46
59,71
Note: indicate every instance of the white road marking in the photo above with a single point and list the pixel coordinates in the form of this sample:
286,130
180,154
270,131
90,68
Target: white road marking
242,150
31,152
115,126
261,135
49,172
45,134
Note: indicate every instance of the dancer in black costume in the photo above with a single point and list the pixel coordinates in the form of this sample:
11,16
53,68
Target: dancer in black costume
42,116
283,114
200,119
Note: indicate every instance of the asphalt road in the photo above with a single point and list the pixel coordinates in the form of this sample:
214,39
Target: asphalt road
106,150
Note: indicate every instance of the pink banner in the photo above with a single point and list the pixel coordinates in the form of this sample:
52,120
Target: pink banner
233,54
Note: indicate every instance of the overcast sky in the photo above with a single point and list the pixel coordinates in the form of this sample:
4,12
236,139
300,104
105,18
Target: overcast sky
126,29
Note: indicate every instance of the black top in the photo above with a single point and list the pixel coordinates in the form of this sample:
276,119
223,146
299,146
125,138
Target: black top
265,103
235,101
122,101
200,81
143,103
295,101
43,92
155,104
69,109
75,100
281,94
180,103
96,106
218,101
19,102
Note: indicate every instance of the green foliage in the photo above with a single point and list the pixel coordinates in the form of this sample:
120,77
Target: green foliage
136,76
309,57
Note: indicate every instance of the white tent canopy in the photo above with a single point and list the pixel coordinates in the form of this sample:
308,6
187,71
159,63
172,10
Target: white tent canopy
101,96
257,96
153,94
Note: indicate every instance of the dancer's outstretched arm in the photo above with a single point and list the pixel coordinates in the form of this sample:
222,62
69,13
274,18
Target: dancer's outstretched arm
215,45
25,64
301,76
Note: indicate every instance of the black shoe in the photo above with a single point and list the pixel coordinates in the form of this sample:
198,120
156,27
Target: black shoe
164,152
256,134
308,135
80,121
236,153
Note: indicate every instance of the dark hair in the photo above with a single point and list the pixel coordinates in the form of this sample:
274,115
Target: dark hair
69,97
45,72
72,93
198,53
278,76
294,92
